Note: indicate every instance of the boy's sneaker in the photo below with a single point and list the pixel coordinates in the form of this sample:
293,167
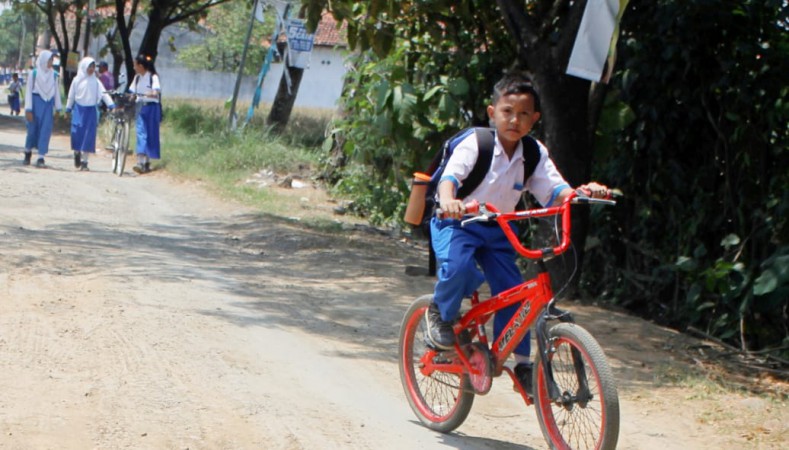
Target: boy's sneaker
83,166
40,163
28,155
77,160
139,168
523,372
439,332
146,167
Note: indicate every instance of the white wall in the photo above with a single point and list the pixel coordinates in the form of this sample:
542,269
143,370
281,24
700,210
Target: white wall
320,87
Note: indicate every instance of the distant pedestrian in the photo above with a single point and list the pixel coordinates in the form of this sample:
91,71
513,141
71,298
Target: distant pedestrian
147,90
83,99
106,77
13,94
42,99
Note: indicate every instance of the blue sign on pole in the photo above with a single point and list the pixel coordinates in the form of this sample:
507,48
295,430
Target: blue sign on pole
298,38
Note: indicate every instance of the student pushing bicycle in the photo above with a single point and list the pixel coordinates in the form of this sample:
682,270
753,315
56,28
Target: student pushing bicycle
440,349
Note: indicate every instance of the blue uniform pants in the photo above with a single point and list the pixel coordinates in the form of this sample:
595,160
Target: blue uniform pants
458,252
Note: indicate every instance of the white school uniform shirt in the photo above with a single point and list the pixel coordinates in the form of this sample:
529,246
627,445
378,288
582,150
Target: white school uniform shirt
503,184
44,83
146,84
87,90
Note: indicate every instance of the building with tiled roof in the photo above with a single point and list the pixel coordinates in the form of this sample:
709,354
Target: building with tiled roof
328,34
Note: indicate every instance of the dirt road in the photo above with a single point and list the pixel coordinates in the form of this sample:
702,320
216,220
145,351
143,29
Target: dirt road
143,312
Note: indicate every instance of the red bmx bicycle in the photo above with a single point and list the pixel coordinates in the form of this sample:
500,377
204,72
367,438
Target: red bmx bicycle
574,392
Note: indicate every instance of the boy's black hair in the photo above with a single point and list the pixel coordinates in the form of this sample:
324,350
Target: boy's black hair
515,83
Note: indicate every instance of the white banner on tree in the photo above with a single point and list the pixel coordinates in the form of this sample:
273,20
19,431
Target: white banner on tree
591,48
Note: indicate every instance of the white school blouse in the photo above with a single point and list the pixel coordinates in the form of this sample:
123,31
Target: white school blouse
145,84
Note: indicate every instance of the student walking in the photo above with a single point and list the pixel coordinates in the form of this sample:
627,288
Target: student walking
42,99
147,90
83,99
13,94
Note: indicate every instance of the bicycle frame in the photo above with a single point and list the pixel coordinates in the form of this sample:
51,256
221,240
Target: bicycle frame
535,295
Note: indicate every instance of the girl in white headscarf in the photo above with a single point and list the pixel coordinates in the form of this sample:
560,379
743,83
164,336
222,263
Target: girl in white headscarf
83,99
42,98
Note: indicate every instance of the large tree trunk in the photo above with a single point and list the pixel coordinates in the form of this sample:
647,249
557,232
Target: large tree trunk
156,24
564,110
124,31
284,101
565,121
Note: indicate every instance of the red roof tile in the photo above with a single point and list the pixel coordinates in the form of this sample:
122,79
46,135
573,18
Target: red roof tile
328,34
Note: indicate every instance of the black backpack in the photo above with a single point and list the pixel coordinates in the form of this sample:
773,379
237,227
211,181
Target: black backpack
485,144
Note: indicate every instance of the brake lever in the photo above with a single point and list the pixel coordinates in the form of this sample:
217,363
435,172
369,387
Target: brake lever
483,216
465,222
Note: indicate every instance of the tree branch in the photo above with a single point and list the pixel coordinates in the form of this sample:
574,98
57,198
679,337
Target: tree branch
519,23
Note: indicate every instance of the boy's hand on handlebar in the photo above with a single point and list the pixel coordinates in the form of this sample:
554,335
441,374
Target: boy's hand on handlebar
451,209
595,190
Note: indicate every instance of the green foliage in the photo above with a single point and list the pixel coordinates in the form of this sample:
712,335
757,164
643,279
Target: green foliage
379,204
203,147
226,27
702,236
409,90
10,37
17,33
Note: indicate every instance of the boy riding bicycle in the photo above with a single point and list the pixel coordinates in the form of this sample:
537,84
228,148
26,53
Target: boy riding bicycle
514,110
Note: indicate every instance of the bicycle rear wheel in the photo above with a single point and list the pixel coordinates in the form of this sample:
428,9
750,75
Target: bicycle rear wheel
440,400
586,414
121,148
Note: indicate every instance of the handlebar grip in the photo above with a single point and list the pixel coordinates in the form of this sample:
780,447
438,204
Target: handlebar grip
471,207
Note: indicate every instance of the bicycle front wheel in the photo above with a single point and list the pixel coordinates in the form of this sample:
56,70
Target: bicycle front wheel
441,400
116,132
121,148
586,413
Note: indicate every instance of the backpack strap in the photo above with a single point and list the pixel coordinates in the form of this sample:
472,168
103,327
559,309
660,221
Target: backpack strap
485,144
531,157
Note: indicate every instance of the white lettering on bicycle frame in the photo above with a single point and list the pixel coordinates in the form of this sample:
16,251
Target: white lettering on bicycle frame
523,312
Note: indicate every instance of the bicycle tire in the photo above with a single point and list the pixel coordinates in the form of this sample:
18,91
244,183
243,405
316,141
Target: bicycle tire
442,400
115,142
121,148
575,423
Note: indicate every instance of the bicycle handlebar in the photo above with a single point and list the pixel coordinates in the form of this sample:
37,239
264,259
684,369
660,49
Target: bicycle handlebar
488,212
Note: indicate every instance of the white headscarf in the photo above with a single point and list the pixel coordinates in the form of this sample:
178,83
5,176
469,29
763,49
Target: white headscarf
87,90
45,77
85,86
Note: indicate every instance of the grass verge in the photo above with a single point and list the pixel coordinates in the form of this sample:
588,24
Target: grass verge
197,145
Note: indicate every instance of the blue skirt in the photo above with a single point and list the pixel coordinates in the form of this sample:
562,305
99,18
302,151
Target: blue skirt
40,129
148,130
84,121
13,102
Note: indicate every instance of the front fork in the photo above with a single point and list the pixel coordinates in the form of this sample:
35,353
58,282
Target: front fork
546,348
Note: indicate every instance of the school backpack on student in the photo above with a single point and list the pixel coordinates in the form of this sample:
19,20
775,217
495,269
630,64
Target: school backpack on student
485,144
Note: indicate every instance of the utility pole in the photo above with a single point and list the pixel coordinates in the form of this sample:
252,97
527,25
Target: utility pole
232,118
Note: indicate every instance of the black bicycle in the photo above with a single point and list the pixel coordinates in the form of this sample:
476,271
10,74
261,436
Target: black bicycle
122,115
